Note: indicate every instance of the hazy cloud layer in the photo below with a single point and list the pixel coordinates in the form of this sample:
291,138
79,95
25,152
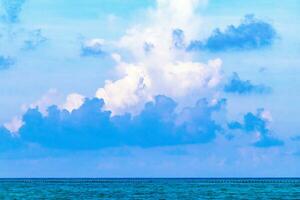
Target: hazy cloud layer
6,62
34,40
11,10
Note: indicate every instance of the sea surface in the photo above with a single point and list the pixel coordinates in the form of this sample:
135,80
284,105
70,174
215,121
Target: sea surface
150,188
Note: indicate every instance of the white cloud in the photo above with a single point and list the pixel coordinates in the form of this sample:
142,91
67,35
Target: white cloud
94,43
92,47
52,97
129,93
14,125
162,69
74,101
266,115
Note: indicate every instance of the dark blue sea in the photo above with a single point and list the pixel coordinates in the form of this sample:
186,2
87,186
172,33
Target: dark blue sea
150,188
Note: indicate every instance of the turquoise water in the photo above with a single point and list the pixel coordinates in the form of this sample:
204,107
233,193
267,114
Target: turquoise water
149,189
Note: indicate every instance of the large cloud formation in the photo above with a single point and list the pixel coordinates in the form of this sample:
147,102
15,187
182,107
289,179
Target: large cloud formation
252,33
157,65
153,101
158,124
88,127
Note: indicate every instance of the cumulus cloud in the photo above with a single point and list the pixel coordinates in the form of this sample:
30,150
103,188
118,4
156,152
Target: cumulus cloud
258,124
141,83
74,101
11,10
158,124
236,85
88,127
92,47
153,101
158,64
252,33
51,97
6,62
14,125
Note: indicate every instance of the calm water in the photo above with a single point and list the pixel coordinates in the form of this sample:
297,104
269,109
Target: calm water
149,189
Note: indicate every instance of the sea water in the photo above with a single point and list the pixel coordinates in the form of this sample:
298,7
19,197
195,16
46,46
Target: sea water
150,188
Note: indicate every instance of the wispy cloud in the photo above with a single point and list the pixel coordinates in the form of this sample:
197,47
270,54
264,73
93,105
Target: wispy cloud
6,62
35,39
236,85
11,10
296,138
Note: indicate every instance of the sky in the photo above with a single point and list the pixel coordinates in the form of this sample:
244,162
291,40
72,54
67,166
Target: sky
149,88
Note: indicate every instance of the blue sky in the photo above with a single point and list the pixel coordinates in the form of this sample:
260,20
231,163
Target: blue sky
158,88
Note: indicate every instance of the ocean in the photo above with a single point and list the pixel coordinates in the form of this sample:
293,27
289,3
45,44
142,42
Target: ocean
158,188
